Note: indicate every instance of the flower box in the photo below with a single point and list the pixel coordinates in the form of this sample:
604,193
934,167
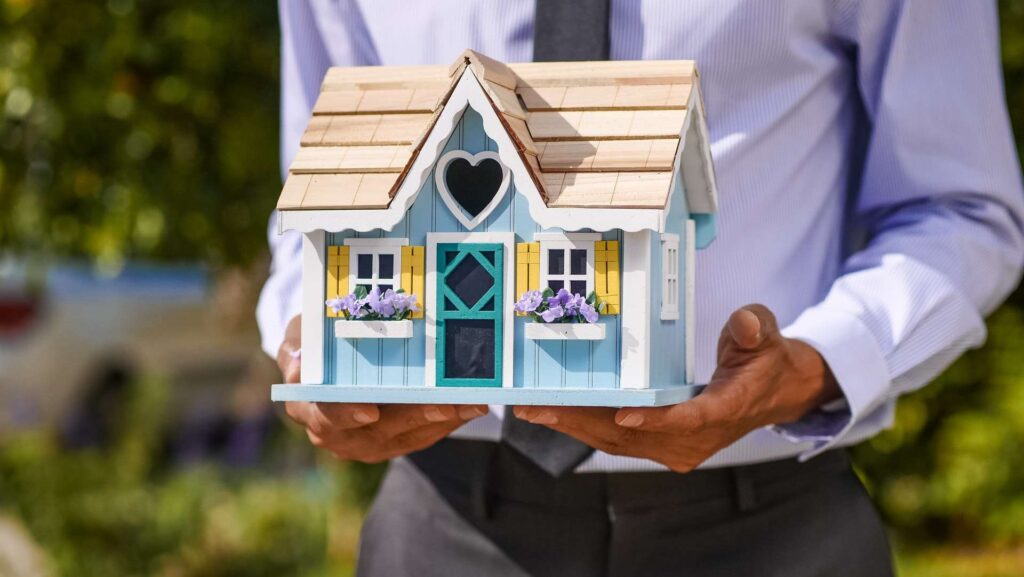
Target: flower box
564,331
357,329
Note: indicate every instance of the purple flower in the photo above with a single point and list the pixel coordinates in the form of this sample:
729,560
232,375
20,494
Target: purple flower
353,306
552,314
335,304
588,312
403,303
576,302
382,304
529,302
560,299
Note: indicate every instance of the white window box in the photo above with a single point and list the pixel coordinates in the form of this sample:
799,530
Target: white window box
564,331
356,329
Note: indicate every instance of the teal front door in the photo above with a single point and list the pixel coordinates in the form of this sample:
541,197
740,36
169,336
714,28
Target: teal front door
469,313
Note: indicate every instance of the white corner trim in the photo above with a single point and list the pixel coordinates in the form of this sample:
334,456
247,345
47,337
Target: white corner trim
446,195
468,92
314,263
689,302
508,239
568,236
376,242
635,311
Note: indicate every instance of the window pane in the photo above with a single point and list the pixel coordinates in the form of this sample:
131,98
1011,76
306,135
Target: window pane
385,266
469,349
556,261
366,287
449,305
384,287
489,305
578,287
578,261
555,285
489,255
364,265
469,280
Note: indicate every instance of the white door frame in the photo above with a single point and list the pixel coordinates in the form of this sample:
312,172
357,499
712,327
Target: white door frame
508,239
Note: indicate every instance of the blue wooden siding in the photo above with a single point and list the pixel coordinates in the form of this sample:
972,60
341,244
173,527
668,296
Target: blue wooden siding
586,364
668,338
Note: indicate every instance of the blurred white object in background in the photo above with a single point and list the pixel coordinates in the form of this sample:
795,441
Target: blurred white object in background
71,342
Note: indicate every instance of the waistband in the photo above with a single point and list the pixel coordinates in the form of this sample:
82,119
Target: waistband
485,470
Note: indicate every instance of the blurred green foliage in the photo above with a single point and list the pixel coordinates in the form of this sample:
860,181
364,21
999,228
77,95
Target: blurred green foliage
121,510
138,128
150,129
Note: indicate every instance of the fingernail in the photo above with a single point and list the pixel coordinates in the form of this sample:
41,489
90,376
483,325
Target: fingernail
434,415
544,418
362,417
632,420
467,413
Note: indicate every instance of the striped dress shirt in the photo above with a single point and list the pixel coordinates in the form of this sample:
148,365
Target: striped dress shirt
870,192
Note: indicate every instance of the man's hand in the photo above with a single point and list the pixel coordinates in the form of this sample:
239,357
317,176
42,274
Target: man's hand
762,378
366,432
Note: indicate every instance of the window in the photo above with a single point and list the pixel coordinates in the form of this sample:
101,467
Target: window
567,261
669,277
375,262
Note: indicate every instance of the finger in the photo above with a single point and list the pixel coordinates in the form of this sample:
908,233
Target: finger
366,445
718,405
327,419
399,419
751,326
596,421
681,418
349,415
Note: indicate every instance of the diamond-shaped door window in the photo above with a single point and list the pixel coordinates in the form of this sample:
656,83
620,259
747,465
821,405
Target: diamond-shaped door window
469,280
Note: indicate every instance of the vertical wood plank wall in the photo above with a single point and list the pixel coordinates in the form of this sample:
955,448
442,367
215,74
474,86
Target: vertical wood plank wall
399,362
668,350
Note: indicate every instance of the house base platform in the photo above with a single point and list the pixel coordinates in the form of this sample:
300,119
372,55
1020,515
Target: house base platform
652,397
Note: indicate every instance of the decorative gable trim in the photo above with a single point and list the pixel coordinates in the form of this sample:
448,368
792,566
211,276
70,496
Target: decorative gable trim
468,92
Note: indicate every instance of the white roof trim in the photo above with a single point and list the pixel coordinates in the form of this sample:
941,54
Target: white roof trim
702,199
468,92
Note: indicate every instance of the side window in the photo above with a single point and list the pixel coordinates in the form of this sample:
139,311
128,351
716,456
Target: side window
568,262
375,264
567,268
669,277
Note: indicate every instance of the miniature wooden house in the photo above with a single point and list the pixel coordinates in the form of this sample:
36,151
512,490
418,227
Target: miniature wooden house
470,186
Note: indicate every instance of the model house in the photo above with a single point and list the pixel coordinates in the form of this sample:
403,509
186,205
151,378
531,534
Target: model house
501,233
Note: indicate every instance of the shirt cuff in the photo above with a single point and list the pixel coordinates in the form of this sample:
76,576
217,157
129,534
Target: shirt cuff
860,369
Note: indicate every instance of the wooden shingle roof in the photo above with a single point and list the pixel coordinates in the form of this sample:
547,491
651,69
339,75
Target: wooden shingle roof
592,134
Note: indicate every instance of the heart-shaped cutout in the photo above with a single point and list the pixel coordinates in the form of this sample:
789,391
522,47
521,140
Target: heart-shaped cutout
471,184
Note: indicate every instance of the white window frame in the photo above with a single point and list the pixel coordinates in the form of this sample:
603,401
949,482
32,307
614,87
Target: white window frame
567,241
670,277
375,247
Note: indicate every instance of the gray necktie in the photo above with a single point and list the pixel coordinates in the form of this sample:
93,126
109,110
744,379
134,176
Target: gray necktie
563,30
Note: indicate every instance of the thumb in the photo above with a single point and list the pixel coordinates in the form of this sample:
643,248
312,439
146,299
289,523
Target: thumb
751,326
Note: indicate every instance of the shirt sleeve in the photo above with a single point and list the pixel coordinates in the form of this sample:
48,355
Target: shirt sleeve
940,203
305,58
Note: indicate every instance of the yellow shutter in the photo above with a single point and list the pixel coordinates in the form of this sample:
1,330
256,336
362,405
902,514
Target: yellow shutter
527,267
337,274
606,274
413,275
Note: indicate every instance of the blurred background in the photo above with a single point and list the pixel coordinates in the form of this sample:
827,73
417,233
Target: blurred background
138,166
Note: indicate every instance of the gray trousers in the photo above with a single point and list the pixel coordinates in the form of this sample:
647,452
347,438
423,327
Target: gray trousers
469,508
